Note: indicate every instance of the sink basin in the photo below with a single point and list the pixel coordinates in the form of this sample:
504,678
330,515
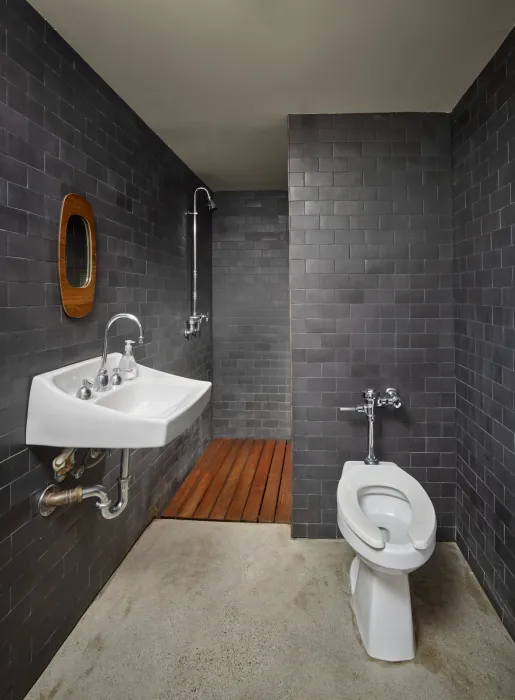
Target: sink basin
148,411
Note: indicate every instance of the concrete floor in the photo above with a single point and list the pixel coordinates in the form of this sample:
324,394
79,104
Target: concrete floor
224,611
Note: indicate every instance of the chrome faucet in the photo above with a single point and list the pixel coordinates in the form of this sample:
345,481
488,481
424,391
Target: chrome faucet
372,398
101,382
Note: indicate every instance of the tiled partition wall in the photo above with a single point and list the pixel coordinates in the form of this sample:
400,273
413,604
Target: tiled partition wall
483,147
251,319
64,130
371,261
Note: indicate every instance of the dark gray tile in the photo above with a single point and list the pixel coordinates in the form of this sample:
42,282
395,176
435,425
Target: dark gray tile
371,252
484,359
47,149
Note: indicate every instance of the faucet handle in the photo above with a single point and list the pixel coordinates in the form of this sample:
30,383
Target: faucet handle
116,378
101,380
84,392
391,398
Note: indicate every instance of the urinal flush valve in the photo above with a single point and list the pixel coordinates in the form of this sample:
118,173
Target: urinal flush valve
373,398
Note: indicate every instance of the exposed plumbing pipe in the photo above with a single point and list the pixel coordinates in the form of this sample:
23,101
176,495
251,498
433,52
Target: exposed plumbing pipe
194,213
195,271
51,499
194,321
96,456
372,399
107,509
64,463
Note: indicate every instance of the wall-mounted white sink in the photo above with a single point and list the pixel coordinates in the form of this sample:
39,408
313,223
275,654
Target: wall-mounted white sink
148,411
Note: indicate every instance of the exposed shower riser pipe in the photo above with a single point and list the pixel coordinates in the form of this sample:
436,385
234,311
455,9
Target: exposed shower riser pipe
194,321
195,274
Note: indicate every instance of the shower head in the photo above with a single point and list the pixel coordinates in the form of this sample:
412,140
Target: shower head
210,201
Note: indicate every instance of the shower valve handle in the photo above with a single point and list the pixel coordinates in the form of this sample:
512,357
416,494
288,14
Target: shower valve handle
390,398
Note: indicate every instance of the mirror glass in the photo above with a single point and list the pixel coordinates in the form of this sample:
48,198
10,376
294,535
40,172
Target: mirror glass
78,258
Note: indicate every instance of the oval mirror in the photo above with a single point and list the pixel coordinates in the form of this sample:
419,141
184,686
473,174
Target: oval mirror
78,258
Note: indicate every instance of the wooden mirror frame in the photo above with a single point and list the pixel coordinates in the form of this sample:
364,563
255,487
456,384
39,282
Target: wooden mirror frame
77,301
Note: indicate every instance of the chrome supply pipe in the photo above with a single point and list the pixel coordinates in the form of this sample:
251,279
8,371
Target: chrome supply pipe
372,398
194,321
50,499
371,456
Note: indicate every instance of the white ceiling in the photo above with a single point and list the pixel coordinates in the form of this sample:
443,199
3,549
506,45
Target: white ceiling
216,78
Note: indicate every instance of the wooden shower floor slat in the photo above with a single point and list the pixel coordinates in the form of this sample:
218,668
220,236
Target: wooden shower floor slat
269,504
237,480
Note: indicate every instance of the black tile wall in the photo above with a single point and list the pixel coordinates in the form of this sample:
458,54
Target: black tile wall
371,263
62,129
251,321
483,148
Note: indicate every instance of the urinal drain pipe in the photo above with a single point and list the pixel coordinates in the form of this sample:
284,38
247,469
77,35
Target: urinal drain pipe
51,498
